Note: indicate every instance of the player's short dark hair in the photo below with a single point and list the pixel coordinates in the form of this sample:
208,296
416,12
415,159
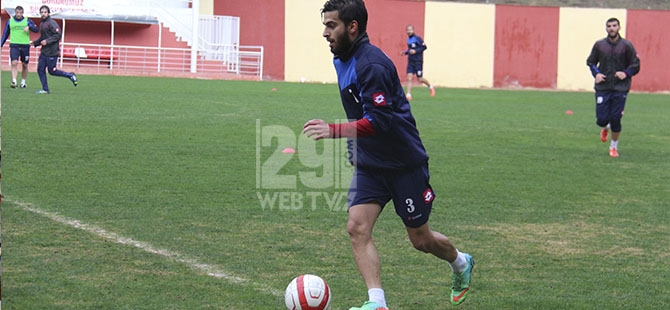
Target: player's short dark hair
349,10
18,8
613,19
45,7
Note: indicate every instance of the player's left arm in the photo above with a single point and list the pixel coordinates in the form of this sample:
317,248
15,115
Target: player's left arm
633,62
55,33
421,46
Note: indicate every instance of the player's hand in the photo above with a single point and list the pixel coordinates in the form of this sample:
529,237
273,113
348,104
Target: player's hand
600,78
412,52
620,75
316,129
26,29
43,43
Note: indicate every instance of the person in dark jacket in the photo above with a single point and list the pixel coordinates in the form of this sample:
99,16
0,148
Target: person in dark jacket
613,62
18,28
389,159
50,35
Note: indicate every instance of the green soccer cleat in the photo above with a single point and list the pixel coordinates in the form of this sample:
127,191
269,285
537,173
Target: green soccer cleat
461,285
42,92
74,80
370,305
12,85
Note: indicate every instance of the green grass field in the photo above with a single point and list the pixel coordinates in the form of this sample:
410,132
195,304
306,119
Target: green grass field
142,193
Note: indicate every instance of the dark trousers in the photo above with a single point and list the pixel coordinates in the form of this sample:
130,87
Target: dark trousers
45,63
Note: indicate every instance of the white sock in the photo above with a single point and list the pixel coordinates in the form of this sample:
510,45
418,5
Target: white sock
23,81
431,86
14,81
377,295
460,264
614,144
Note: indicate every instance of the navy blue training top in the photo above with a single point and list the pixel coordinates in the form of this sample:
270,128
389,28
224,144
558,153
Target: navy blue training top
370,88
415,42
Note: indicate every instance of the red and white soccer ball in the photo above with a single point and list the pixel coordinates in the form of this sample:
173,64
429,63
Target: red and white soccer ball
307,292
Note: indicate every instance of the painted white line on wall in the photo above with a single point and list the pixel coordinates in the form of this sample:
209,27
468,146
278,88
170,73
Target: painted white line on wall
192,263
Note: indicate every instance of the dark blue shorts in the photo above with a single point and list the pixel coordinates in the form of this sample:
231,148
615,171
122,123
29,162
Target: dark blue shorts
409,189
610,105
415,68
19,52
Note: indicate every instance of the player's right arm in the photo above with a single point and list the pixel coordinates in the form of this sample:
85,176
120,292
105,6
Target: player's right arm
5,34
593,59
318,129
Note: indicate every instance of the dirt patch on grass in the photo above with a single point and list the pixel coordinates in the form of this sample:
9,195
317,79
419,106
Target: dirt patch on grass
573,238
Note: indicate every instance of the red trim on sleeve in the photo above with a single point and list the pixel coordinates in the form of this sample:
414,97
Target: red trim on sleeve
360,128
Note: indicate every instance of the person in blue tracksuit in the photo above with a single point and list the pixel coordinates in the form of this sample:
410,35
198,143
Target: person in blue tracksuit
49,39
414,52
389,159
18,28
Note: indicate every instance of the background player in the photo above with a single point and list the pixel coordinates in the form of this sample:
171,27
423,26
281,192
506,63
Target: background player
18,28
414,52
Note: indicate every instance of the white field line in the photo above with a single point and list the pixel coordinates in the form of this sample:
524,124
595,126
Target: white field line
210,270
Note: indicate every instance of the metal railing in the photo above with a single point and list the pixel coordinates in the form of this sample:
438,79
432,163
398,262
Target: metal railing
247,60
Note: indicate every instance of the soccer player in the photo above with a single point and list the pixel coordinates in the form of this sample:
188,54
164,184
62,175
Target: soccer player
385,149
414,52
18,28
613,62
50,35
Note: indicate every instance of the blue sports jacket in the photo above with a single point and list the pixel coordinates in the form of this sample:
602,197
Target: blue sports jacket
370,88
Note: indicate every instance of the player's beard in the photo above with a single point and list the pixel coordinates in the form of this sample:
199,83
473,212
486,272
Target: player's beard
612,37
342,44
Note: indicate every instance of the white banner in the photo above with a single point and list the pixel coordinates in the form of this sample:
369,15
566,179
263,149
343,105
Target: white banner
94,9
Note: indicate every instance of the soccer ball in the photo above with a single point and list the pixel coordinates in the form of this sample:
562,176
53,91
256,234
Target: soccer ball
307,292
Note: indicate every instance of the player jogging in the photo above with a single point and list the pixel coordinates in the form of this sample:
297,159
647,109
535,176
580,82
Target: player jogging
613,62
50,35
18,28
414,52
389,159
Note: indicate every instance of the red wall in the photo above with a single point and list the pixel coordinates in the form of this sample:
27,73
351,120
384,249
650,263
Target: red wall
261,23
652,42
387,20
526,46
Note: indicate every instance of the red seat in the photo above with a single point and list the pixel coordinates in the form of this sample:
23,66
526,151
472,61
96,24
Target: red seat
100,54
69,53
